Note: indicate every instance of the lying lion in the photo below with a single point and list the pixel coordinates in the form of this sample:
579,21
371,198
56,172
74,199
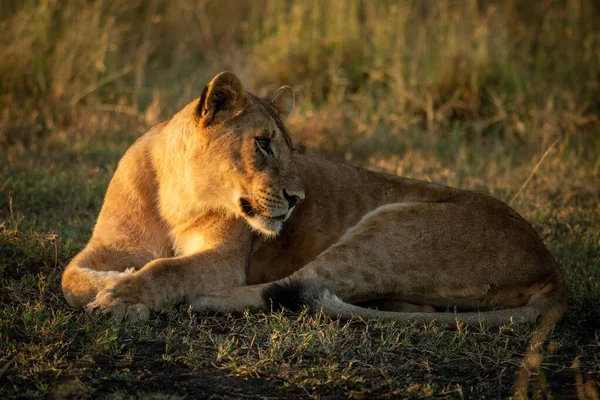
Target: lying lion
214,208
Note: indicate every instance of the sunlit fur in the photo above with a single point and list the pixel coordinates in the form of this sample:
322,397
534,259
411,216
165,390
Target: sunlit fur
189,171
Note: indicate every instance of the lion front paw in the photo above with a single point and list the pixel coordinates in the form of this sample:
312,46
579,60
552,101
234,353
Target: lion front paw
120,305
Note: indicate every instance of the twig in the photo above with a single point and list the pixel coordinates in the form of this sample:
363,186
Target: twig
116,109
92,88
533,171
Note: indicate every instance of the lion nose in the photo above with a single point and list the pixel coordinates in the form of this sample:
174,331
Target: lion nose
292,199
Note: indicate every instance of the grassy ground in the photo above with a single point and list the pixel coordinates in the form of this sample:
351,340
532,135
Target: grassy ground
470,94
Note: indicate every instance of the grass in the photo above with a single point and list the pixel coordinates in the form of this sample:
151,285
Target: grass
469,94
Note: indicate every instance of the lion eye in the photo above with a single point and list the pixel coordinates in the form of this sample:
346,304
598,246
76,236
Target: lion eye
263,145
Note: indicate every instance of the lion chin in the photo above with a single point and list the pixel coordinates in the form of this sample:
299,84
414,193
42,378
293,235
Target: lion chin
269,227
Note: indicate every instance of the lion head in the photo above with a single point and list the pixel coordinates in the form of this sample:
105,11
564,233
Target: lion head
243,158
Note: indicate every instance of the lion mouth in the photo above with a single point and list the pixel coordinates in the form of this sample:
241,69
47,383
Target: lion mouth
247,208
250,211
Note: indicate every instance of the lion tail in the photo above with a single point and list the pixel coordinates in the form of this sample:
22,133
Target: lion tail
295,295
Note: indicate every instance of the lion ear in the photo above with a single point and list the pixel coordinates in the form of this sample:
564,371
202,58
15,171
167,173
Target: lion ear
283,100
224,93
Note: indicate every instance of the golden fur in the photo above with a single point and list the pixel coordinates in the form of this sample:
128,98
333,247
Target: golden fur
200,210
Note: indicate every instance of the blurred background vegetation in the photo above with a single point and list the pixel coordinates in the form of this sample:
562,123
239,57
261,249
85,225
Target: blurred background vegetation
370,76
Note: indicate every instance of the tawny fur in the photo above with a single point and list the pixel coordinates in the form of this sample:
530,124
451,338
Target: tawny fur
199,211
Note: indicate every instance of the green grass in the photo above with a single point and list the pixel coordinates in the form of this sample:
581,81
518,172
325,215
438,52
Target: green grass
49,204
469,94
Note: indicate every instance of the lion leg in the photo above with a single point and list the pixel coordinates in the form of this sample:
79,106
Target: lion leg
398,251
93,269
170,280
125,286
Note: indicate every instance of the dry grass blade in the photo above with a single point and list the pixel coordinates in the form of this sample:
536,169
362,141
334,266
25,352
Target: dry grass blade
533,171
